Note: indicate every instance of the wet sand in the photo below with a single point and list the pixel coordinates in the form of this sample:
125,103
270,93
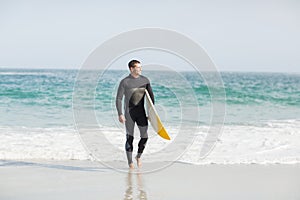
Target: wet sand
41,179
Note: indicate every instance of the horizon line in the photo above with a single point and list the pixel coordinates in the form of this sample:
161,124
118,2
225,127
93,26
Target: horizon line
77,69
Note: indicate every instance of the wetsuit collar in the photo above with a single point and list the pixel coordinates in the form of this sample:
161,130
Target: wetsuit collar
134,77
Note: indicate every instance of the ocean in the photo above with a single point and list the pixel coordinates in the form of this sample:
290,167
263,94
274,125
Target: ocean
261,124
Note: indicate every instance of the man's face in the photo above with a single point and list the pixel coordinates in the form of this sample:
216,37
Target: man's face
137,69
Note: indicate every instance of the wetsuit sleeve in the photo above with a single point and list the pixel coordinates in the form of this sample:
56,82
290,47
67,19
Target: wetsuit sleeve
119,98
149,88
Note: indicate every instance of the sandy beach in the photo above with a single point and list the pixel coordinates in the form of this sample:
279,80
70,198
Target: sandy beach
42,179
225,78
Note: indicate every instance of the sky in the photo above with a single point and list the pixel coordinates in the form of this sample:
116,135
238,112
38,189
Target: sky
237,35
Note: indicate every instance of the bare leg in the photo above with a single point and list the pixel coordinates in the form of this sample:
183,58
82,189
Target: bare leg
131,166
138,161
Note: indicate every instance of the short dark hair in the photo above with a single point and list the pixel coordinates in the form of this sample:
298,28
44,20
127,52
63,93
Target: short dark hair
132,63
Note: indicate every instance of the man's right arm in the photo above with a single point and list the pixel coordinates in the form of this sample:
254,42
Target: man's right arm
119,99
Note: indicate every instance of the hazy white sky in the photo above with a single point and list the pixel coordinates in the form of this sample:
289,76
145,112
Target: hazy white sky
238,35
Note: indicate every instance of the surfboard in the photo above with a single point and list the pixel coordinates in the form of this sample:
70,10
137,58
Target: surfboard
154,118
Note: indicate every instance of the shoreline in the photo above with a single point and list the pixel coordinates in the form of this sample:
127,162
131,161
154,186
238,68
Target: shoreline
73,179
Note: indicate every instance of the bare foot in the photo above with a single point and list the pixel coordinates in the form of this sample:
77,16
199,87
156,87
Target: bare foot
131,166
139,163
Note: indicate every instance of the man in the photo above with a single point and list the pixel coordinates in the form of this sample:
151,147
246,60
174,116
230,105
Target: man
133,87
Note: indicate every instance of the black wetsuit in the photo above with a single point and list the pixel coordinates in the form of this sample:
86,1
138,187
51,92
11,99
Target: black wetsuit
134,91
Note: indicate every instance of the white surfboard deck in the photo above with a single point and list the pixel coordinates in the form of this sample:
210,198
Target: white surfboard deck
154,118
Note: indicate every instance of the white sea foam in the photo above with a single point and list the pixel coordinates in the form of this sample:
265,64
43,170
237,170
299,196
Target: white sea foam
272,142
40,143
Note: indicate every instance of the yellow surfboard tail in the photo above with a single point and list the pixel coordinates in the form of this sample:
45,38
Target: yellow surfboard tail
161,130
163,133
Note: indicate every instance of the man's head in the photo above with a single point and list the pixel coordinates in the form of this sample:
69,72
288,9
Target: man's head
135,67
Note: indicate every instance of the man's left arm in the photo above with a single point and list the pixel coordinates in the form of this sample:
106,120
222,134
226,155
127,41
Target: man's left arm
149,88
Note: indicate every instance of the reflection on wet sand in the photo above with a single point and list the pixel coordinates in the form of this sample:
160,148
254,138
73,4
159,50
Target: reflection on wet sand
135,191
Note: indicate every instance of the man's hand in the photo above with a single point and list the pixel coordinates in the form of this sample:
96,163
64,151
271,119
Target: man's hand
122,119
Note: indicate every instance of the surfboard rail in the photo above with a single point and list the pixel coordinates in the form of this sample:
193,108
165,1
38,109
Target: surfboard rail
154,118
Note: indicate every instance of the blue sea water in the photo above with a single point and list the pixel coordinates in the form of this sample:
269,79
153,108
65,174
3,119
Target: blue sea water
43,98
38,109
